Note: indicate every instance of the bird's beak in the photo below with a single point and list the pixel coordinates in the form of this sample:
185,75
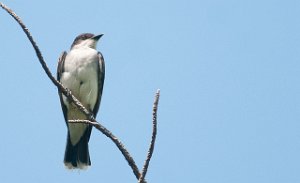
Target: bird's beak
97,37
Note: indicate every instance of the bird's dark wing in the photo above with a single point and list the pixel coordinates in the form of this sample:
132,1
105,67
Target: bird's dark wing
101,75
60,70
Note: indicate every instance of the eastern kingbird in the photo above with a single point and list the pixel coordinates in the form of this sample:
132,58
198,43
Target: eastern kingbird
82,71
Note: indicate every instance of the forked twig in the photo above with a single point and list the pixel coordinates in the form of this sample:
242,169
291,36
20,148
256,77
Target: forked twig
153,138
91,120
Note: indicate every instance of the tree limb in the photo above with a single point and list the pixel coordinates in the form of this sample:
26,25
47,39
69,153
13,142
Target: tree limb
90,118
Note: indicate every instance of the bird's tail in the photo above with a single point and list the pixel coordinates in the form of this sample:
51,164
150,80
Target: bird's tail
77,156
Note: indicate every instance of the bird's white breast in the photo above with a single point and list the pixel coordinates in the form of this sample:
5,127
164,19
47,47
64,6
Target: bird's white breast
81,77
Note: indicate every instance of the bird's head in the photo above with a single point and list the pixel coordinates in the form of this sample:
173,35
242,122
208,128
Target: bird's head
86,40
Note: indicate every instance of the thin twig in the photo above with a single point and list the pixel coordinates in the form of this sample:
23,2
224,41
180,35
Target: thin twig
82,121
68,94
152,143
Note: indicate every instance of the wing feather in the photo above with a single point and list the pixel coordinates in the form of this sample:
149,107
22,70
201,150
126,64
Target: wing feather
101,76
60,70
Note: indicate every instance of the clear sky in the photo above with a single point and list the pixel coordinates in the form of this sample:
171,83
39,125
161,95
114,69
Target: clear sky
229,75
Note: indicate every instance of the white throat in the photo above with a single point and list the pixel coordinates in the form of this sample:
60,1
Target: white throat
86,43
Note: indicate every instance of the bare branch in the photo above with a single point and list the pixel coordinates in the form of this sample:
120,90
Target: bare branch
152,143
68,94
90,118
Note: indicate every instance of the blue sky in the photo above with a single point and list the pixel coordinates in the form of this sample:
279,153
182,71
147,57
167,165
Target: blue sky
229,78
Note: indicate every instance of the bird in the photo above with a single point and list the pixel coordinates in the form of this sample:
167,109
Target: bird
81,71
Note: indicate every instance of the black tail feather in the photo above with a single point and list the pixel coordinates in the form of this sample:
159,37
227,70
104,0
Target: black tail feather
77,156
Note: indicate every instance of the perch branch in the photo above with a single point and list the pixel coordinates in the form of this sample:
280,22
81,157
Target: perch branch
91,120
68,94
